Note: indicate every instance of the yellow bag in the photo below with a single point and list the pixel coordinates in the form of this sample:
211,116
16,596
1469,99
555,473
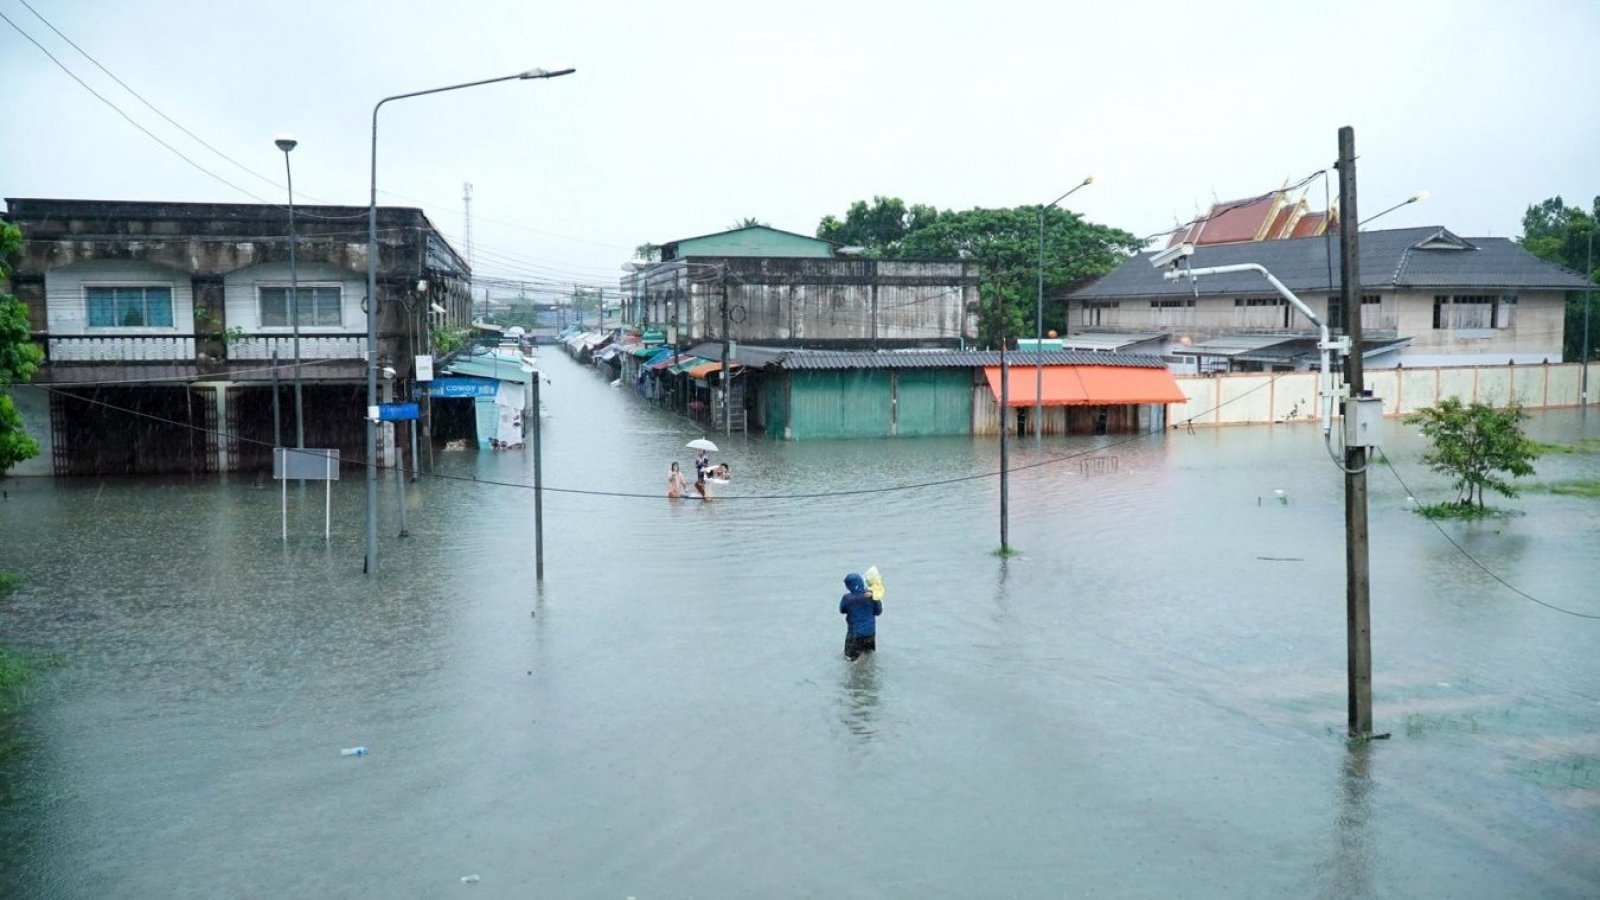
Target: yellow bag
874,583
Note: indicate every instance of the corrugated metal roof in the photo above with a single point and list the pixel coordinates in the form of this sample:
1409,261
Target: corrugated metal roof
957,359
1397,258
789,358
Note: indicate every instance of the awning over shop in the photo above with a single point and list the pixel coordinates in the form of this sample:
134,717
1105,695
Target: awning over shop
664,362
642,351
709,368
687,362
1089,385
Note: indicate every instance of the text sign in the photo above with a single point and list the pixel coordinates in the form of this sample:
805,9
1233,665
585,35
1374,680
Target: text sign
424,368
397,412
309,464
463,387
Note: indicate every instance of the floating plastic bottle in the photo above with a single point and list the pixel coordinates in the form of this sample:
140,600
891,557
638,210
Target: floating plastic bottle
353,751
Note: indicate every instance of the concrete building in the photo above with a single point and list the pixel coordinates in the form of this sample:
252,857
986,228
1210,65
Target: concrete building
160,323
785,289
1429,298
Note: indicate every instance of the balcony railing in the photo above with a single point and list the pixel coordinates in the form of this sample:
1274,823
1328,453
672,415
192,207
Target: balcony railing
312,346
170,348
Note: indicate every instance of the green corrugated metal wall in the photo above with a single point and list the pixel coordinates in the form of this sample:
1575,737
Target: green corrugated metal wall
865,403
933,402
775,406
847,404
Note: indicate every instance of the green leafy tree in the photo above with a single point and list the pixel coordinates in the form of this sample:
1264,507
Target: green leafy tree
877,228
19,358
748,222
1558,233
647,252
1477,446
1005,243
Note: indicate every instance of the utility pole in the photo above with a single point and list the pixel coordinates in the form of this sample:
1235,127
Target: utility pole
1588,303
1358,581
1005,442
727,384
538,486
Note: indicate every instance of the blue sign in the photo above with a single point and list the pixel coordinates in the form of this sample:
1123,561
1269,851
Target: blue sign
463,387
397,412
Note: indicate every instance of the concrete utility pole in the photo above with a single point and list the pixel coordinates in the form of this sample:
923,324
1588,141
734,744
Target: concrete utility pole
727,385
1588,303
1358,582
1005,445
538,485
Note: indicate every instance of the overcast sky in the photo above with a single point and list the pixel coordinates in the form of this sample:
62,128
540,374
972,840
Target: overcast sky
684,117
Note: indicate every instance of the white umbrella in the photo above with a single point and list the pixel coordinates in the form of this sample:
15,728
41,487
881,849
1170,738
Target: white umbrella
702,444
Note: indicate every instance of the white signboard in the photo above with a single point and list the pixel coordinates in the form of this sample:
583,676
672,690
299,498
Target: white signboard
424,367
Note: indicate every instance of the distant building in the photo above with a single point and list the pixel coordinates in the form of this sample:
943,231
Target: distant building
160,323
1274,217
785,289
1429,298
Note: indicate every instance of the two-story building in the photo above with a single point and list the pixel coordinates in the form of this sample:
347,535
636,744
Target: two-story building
170,333
1429,298
779,288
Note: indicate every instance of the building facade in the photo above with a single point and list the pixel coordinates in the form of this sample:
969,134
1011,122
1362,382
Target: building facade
1429,298
178,317
778,288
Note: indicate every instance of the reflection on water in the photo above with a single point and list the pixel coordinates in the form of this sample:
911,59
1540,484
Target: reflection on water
859,697
1349,872
1137,705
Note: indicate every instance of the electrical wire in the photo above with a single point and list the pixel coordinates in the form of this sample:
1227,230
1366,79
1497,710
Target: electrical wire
1475,561
812,495
131,121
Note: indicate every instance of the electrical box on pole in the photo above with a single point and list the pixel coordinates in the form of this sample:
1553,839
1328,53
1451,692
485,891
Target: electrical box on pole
1363,421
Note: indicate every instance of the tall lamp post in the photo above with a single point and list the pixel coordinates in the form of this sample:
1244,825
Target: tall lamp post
372,299
1038,322
286,142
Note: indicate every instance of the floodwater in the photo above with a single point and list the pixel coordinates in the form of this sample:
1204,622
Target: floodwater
1148,701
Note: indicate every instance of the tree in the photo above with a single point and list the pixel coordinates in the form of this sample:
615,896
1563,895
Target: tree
1558,233
1474,444
647,252
1005,243
19,358
748,222
879,228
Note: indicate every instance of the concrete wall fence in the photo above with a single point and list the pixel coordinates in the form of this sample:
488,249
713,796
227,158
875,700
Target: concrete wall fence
1253,398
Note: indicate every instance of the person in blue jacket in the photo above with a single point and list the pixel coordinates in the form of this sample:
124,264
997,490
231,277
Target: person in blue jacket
860,613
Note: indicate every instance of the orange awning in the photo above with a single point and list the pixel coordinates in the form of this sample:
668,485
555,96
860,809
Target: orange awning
707,369
1089,385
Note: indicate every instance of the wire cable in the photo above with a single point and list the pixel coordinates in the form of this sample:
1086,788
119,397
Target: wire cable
1475,561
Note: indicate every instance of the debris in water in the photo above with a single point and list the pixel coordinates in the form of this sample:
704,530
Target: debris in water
353,751
469,879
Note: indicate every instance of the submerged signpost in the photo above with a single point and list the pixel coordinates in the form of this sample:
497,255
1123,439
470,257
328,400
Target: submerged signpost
306,465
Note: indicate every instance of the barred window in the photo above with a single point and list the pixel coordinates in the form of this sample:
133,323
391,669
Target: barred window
320,305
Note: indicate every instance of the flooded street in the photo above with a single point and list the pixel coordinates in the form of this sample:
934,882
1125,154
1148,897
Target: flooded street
1148,701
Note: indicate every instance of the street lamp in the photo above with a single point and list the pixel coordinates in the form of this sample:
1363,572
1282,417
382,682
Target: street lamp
286,142
1418,197
1038,322
372,299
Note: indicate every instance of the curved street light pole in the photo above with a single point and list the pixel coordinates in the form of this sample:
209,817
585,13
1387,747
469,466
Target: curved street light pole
372,300
1038,322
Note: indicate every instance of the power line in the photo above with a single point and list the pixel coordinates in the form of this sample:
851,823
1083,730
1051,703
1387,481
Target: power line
1475,561
131,121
